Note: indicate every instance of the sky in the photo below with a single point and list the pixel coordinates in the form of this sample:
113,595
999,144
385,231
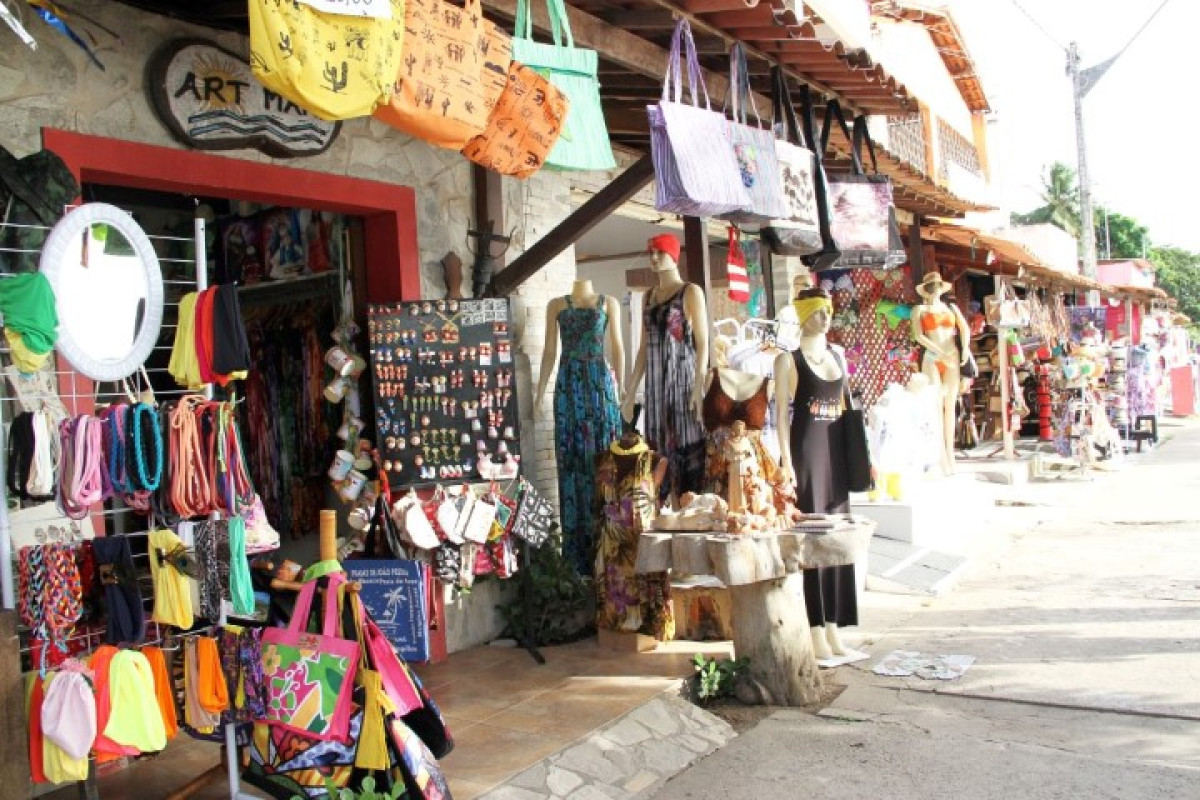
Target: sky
1141,119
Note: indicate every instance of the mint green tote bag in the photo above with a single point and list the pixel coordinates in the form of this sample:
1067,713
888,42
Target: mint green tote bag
584,143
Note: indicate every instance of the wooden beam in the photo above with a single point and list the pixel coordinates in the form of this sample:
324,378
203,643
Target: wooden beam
573,228
626,122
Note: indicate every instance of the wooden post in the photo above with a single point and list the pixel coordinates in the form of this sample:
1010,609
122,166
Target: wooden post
770,630
695,268
489,203
1005,389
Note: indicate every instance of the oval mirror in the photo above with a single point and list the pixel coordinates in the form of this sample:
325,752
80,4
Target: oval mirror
108,289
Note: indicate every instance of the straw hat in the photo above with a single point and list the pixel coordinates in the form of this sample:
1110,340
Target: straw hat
933,285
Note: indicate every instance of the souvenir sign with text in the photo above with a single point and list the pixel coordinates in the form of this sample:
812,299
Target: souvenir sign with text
209,99
445,391
395,593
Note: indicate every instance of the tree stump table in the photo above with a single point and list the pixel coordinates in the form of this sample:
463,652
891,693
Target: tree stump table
770,624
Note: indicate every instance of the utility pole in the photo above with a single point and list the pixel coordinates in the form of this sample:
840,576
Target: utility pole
1087,217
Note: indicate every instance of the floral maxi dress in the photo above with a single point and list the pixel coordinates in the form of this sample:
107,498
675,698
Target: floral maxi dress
625,600
587,419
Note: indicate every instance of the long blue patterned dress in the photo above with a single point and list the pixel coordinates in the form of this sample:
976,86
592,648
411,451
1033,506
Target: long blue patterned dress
587,419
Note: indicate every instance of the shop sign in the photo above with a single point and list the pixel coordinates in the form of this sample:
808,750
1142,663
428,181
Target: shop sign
210,100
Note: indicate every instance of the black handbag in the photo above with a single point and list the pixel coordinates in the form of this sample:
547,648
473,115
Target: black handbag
854,441
828,255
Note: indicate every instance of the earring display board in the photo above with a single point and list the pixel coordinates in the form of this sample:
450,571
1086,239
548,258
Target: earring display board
445,391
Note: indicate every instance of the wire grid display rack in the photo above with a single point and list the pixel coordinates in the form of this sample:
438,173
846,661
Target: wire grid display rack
61,391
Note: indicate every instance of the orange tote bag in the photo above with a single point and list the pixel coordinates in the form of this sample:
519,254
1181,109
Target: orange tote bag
454,68
524,127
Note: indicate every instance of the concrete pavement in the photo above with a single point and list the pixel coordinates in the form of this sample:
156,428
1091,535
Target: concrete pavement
1087,683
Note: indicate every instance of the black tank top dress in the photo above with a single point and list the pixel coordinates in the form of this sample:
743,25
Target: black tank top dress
819,460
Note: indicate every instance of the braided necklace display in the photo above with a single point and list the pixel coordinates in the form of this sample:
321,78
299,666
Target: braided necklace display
145,425
116,455
50,593
236,488
190,491
80,484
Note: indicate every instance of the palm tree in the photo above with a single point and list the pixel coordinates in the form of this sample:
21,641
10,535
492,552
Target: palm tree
1060,201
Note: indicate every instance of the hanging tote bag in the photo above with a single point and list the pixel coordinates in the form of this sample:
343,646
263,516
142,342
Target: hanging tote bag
1006,310
584,143
798,231
454,68
337,65
863,218
735,266
695,170
828,254
309,677
753,147
854,440
523,127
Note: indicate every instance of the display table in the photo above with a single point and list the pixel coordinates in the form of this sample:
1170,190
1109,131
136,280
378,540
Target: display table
770,626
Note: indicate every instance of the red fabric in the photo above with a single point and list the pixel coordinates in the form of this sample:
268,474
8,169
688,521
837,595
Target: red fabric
35,731
203,334
665,243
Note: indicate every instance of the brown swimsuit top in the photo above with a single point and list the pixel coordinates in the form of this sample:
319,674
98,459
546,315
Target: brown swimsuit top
721,410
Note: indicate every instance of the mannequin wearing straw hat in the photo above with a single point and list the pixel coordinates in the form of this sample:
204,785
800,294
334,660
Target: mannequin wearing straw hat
944,336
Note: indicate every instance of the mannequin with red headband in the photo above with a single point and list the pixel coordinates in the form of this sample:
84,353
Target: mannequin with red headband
672,356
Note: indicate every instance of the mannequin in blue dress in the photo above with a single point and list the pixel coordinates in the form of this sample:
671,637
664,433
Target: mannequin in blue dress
587,416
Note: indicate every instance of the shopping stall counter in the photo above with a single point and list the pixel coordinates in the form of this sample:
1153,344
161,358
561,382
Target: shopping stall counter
770,627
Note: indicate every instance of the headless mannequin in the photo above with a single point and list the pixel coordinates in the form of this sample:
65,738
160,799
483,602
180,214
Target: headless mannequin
666,273
583,295
947,347
818,353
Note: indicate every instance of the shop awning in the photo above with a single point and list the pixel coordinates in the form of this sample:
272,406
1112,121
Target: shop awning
997,255
949,42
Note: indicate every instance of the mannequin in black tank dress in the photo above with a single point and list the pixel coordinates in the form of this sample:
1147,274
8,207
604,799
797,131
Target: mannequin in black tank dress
813,381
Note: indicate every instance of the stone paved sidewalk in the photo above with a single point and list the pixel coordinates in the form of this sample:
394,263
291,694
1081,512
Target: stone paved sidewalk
636,754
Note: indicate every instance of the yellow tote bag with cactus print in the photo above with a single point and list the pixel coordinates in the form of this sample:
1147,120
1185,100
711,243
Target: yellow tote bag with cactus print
334,65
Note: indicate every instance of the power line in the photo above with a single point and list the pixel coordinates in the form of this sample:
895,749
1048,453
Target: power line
1039,26
1145,25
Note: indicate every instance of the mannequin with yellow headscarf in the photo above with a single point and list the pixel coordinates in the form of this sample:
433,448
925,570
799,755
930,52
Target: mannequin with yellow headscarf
810,395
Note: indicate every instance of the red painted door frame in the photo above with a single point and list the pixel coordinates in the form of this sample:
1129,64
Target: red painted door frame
389,213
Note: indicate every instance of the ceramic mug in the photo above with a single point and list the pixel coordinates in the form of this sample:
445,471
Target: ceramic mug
339,360
360,518
357,365
353,486
343,462
350,429
335,390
